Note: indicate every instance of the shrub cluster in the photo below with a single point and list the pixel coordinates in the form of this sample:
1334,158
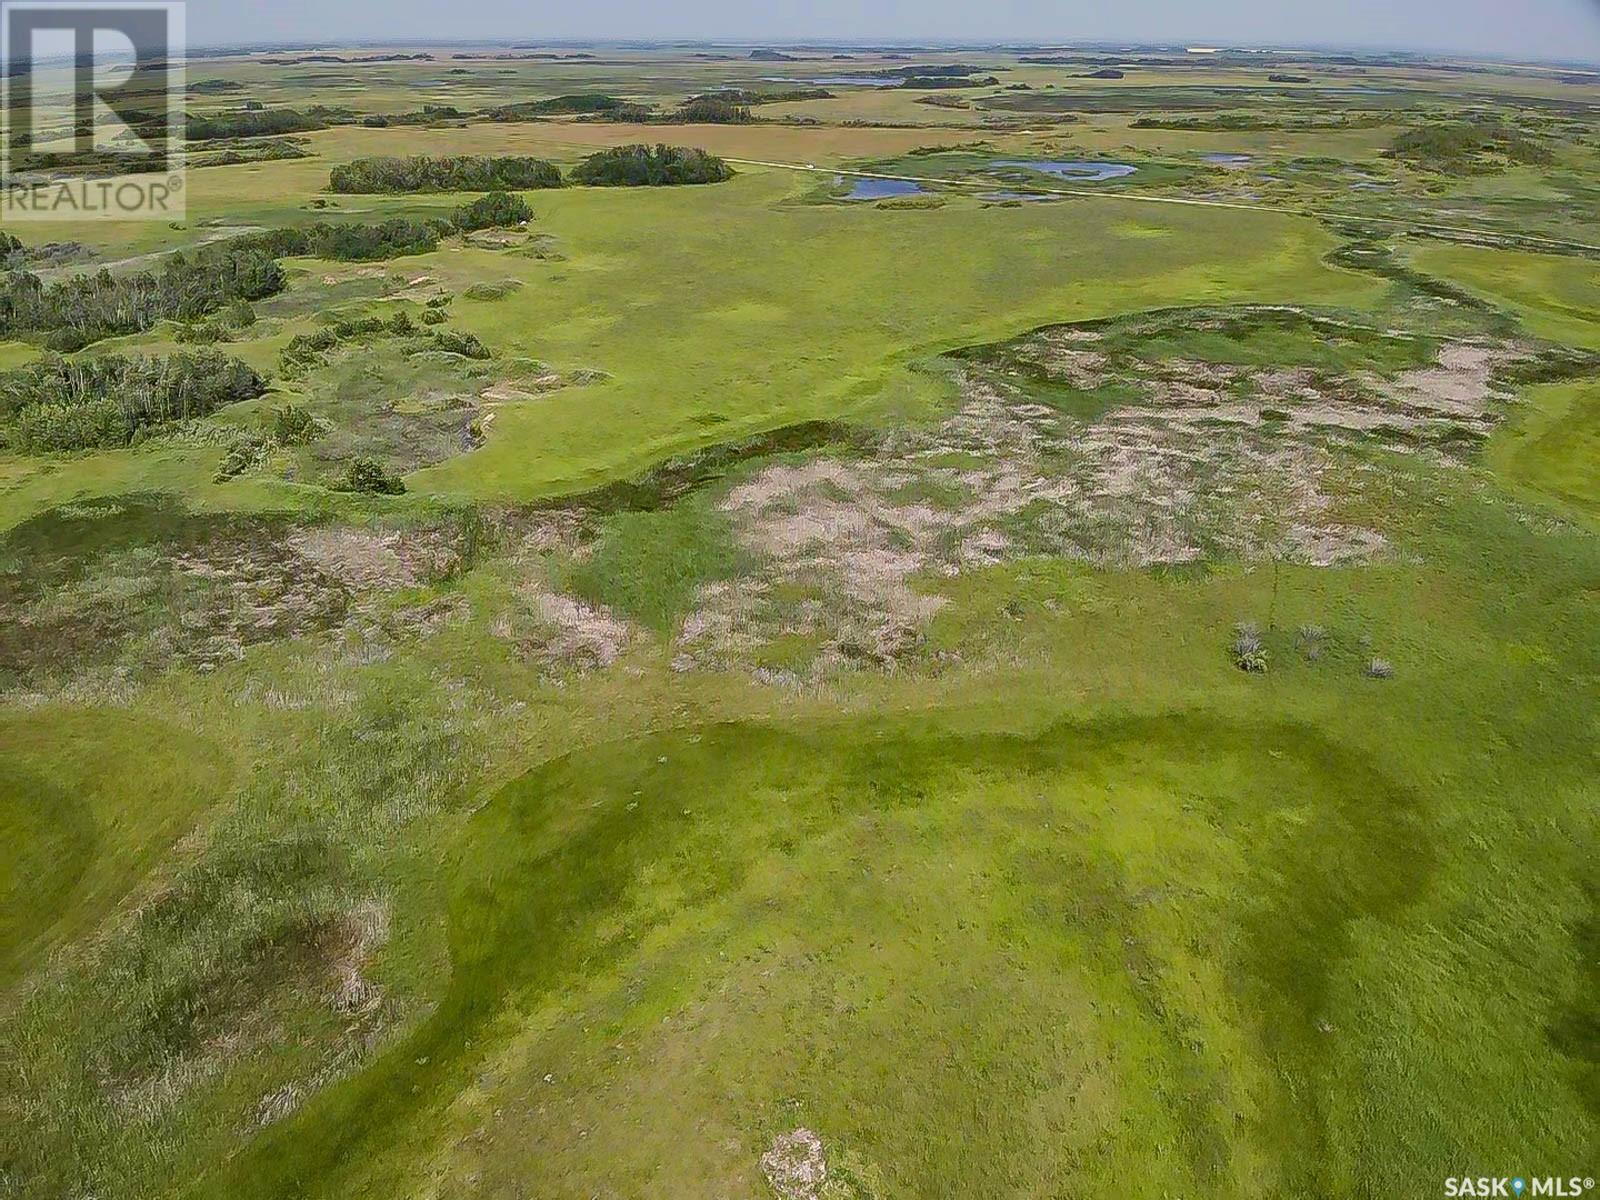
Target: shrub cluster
491,211
351,241
307,349
252,123
575,103
368,475
1467,147
57,404
645,166
459,173
85,308
714,110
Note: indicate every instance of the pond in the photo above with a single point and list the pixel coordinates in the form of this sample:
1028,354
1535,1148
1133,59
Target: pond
1229,162
1072,171
879,189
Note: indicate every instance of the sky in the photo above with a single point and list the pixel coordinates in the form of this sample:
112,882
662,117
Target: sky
1507,29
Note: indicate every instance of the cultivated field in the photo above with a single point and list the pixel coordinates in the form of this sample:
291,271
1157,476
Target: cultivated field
1033,635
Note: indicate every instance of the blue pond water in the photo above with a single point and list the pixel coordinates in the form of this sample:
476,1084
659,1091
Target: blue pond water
1231,162
1075,172
879,189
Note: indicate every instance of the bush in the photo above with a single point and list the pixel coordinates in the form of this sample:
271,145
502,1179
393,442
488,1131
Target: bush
368,475
1248,653
493,211
644,166
492,290
465,344
245,453
293,425
462,173
1380,668
1311,639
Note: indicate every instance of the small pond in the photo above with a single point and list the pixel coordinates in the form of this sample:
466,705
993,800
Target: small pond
1229,162
880,189
1072,171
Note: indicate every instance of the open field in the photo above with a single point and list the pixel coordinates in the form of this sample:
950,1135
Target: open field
736,690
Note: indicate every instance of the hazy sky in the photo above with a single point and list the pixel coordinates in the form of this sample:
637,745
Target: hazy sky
1565,29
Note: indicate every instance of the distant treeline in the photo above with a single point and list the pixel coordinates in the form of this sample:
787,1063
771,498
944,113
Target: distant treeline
57,404
399,236
1247,122
927,83
1473,146
749,96
426,115
927,71
262,122
646,166
713,110
85,308
576,103
459,173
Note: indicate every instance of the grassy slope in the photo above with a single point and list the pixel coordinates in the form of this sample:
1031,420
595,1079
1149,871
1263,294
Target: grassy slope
1557,298
1240,937
1552,446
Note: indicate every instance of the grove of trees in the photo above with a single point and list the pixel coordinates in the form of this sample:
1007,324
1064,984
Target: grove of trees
81,404
647,166
457,173
86,308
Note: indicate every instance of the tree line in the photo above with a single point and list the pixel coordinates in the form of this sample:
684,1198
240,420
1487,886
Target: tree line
106,401
86,308
621,166
456,173
83,309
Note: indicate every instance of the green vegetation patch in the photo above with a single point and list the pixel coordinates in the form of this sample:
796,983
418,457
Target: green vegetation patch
1478,145
675,893
1551,445
85,308
109,400
649,566
456,173
650,166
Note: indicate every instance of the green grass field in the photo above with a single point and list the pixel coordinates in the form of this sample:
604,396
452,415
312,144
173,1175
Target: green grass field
1080,696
